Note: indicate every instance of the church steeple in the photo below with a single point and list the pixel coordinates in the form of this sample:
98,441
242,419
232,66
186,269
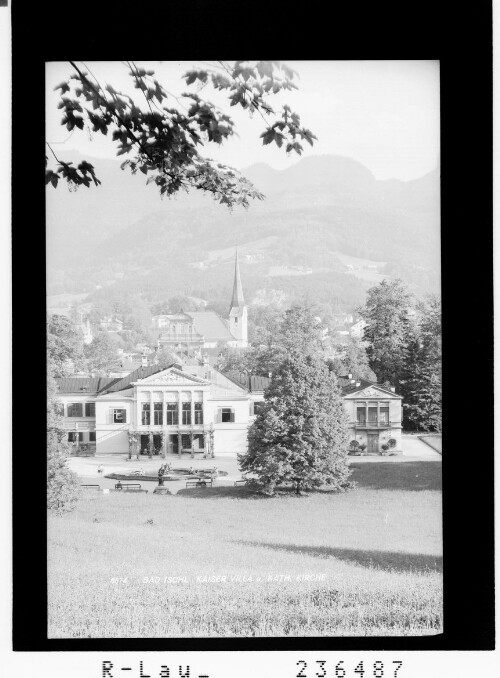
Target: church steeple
238,301
238,312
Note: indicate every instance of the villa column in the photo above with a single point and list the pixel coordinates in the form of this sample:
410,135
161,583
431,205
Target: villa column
164,426
203,419
192,423
151,421
179,435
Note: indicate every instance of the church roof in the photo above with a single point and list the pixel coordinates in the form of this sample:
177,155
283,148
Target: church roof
238,300
210,326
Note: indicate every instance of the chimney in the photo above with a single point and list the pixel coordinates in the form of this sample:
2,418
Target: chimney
353,381
144,360
358,383
393,389
270,374
205,359
349,376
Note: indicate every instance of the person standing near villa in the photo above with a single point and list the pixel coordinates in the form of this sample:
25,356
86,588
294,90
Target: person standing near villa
100,470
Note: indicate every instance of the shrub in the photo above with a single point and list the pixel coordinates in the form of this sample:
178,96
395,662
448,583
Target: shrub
385,447
392,442
353,445
62,484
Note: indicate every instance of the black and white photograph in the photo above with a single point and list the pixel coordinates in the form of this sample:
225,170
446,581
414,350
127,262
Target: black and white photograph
244,355
247,309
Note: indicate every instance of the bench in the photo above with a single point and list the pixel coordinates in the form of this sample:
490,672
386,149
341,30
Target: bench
240,482
91,487
199,482
130,487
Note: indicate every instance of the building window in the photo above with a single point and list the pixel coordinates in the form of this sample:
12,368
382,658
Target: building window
198,413
73,437
372,413
186,414
119,416
225,415
75,409
92,437
146,414
361,413
90,409
158,414
172,414
384,414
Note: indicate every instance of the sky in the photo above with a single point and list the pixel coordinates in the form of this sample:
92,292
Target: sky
384,114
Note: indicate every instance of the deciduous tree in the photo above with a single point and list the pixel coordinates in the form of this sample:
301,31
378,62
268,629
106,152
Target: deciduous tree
101,354
388,329
64,346
300,434
62,483
421,381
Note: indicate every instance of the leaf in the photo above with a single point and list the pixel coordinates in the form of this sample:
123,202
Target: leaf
279,138
267,136
265,68
63,86
190,77
289,72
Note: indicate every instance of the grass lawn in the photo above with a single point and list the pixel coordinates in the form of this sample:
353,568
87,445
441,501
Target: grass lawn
368,562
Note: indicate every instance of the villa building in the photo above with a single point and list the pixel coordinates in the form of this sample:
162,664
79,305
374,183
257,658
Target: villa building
196,409
190,408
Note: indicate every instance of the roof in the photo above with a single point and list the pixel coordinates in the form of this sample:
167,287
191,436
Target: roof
210,326
251,382
82,384
348,388
216,378
238,300
140,373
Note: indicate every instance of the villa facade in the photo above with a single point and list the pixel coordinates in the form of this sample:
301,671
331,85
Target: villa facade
195,409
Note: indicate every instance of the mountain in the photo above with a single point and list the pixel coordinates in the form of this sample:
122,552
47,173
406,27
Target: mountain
328,229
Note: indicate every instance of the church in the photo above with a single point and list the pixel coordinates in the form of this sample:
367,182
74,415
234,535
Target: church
194,331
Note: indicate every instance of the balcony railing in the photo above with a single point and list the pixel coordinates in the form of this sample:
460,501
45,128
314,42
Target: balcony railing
379,423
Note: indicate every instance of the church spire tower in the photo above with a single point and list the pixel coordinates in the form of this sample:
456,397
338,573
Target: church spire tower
238,312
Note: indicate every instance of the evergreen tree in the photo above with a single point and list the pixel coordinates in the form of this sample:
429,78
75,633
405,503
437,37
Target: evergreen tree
300,435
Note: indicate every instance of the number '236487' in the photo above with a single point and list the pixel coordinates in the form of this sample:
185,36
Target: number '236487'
375,670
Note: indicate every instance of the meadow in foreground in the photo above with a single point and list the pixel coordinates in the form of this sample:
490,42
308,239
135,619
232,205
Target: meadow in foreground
368,562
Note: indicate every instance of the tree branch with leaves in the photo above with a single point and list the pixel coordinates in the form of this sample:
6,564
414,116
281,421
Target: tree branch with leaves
165,143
